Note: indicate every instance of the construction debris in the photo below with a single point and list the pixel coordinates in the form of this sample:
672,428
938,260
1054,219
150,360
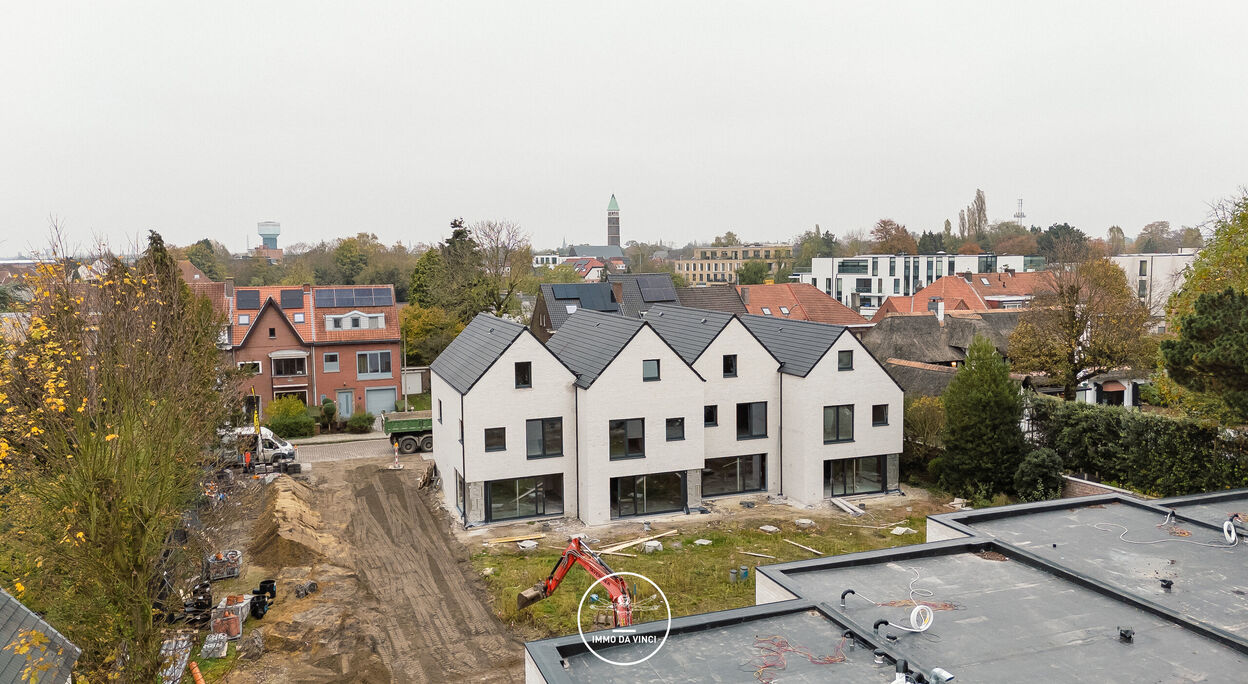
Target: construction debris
173,656
804,523
904,530
625,545
617,553
305,588
702,542
507,540
769,529
527,544
215,646
223,564
652,546
758,555
802,546
846,506
252,647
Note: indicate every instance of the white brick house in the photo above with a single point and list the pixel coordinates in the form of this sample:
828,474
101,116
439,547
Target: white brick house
659,413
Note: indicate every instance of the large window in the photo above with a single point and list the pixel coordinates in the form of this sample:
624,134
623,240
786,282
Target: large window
650,370
647,494
524,374
495,439
675,429
524,497
752,420
734,474
627,438
372,364
710,416
543,437
843,477
838,423
288,367
730,365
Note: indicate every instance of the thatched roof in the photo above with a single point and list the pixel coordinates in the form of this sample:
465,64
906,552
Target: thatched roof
923,338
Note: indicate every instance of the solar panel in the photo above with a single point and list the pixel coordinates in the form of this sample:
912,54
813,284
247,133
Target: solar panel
656,289
564,291
292,299
323,297
363,296
382,296
247,300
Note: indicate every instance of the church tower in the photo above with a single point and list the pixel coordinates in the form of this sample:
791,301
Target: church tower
613,223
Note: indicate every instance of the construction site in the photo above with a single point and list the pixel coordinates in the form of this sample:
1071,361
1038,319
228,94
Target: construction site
372,582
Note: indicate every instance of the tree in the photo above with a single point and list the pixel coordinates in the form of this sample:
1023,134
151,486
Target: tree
930,243
1157,238
427,331
922,428
1117,241
983,441
1191,238
559,273
726,240
205,257
1211,352
110,405
1017,244
1221,264
426,280
970,248
506,259
1039,476
1089,323
1062,241
752,272
350,258
815,244
892,238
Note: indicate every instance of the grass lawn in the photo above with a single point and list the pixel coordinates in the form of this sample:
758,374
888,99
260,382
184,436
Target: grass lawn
416,402
694,578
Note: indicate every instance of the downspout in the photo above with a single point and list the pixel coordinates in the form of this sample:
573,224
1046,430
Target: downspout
780,442
576,443
463,460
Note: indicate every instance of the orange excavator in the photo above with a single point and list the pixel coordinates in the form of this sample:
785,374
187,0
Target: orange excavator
578,553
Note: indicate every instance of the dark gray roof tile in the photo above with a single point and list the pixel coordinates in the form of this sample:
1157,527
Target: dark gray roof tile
474,350
798,345
689,331
590,340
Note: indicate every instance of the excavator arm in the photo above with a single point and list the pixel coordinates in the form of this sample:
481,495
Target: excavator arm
577,553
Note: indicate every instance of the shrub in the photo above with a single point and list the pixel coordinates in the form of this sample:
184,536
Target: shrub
287,417
360,422
982,439
328,411
924,424
1039,476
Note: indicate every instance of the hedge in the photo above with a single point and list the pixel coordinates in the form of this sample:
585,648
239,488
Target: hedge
1146,452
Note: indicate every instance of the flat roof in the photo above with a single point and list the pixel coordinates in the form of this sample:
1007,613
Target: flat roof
1036,592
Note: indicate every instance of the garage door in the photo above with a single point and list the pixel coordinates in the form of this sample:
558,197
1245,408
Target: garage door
378,400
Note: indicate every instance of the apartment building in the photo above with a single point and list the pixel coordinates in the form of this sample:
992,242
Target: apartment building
871,278
628,417
720,264
315,342
1154,277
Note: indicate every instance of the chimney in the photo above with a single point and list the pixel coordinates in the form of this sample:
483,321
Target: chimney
937,306
617,290
966,276
855,302
229,287
1009,272
307,287
745,296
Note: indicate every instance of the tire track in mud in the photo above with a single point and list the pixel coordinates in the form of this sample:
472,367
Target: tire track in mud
435,624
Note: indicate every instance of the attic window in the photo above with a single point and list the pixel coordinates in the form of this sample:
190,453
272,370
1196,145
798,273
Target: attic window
784,310
766,311
983,280
570,308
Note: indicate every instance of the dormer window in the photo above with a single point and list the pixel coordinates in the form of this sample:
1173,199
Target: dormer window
355,320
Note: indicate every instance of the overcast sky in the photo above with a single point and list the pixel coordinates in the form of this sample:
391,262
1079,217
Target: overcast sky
200,119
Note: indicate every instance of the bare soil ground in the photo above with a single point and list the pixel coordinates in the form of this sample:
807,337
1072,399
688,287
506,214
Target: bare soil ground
398,598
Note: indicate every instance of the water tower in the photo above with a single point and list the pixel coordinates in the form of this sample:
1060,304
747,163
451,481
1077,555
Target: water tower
269,230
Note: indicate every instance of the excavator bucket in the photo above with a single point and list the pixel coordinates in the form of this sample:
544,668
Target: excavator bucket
529,596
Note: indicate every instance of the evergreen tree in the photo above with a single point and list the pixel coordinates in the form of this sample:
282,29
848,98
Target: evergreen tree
983,441
1211,352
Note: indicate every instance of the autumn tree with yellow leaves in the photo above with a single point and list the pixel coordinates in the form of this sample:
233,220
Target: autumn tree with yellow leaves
109,397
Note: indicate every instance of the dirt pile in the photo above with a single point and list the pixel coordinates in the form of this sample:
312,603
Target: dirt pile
286,533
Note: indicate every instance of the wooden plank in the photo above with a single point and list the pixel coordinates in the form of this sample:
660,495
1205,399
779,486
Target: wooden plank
625,545
617,553
504,540
758,555
801,546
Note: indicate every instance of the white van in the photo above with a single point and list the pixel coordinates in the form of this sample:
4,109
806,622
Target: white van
275,448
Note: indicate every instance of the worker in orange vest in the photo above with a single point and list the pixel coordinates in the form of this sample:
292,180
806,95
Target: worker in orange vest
246,461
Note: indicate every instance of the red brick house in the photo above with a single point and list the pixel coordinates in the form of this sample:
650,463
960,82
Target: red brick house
316,342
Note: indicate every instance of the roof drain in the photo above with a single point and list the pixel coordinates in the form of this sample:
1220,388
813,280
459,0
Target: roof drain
844,594
877,624
901,677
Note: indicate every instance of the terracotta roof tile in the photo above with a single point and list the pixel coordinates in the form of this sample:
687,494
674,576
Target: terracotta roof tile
804,301
312,329
958,294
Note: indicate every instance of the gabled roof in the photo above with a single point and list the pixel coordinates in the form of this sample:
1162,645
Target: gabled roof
60,653
798,345
688,331
804,301
714,297
269,303
640,291
191,273
475,350
599,251
960,295
593,296
590,340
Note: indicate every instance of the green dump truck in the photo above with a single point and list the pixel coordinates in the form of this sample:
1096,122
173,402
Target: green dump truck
411,430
